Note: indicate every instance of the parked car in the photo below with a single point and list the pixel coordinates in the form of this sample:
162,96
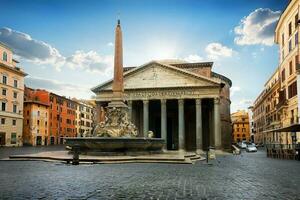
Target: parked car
251,148
243,145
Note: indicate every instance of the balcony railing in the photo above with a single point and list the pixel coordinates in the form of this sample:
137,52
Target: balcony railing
281,103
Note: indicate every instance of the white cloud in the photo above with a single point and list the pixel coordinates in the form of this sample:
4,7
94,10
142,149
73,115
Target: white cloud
193,58
40,52
242,104
90,61
216,50
257,28
60,88
110,44
28,48
234,90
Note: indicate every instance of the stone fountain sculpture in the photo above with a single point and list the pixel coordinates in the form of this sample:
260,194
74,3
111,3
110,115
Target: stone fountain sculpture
116,124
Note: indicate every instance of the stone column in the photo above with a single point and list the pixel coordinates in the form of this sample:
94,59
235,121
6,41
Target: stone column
198,125
163,118
129,110
181,134
217,123
146,117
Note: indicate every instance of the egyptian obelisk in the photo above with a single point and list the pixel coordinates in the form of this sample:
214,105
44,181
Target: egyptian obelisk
118,87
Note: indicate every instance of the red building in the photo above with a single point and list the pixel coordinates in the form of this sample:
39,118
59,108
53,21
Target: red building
62,118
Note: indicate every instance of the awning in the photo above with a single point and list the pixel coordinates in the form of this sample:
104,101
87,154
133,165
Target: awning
291,128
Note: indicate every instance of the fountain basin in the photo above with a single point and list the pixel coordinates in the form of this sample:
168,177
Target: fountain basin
116,146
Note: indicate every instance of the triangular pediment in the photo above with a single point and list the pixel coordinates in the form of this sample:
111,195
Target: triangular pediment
157,75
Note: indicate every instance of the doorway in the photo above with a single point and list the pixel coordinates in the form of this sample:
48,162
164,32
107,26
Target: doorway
39,140
2,139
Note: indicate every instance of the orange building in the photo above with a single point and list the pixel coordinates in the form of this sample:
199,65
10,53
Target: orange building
240,126
61,114
62,118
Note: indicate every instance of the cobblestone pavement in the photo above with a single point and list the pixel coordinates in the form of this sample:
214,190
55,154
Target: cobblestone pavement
249,176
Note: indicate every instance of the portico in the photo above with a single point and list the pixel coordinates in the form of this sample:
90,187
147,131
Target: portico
180,106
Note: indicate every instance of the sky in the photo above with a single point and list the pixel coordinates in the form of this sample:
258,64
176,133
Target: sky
67,46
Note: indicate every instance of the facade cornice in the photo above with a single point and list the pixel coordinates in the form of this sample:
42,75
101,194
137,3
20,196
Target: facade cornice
13,69
166,93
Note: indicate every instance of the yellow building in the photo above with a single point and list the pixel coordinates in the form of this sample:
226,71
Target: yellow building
36,123
11,99
287,37
240,126
275,111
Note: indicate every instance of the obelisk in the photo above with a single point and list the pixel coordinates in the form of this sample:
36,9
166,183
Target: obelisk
118,87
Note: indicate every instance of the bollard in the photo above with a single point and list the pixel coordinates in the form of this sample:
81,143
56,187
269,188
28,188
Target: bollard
207,155
76,152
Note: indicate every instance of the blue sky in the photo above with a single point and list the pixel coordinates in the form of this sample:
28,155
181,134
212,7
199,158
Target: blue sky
67,46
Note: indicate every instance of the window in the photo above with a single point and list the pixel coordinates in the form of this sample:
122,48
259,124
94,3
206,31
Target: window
296,60
291,67
3,106
296,39
290,28
282,40
15,95
237,129
38,122
13,138
290,45
4,56
4,80
27,121
283,75
14,122
15,83
292,89
296,21
15,108
38,113
4,92
2,120
238,135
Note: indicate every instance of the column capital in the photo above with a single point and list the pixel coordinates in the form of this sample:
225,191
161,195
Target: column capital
198,101
180,101
145,101
216,100
129,102
163,101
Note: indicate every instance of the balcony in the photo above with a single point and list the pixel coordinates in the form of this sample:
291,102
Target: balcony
282,103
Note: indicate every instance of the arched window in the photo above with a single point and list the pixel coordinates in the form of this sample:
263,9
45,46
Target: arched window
4,56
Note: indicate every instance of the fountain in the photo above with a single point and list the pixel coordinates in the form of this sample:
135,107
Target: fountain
116,135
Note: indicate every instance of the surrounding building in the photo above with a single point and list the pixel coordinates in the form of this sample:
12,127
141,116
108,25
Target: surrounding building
240,126
36,119
84,118
54,124
62,118
251,123
11,99
187,104
276,110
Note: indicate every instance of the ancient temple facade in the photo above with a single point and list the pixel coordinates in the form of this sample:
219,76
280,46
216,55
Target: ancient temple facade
187,104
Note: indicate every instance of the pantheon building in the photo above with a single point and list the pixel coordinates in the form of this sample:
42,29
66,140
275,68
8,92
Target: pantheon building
187,104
